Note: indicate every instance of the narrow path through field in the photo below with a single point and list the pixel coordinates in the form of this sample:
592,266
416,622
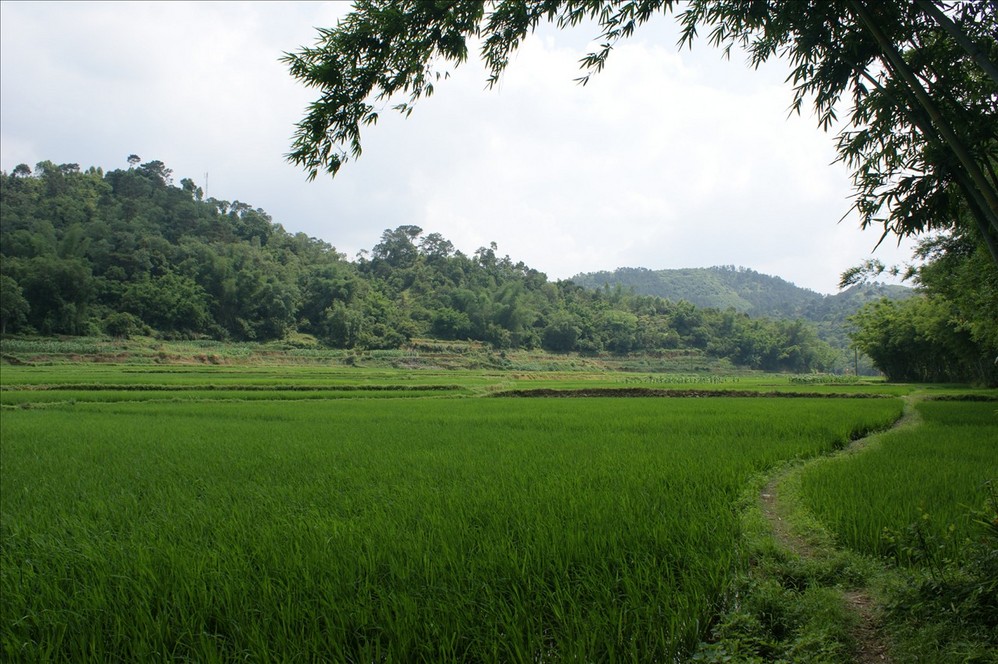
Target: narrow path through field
871,646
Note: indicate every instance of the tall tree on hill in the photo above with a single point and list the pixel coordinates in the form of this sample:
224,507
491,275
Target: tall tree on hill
13,307
921,139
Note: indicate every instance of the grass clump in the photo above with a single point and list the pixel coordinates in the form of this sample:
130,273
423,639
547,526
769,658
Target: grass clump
786,605
943,607
774,622
905,502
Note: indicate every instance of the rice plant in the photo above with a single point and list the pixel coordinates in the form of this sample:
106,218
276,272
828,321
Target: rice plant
384,530
932,475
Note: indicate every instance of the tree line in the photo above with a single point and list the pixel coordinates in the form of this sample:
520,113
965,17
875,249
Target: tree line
127,252
948,332
759,295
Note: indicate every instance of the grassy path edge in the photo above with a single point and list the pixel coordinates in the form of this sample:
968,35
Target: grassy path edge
803,598
794,528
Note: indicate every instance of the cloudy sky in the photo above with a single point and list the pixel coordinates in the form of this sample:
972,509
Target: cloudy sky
667,159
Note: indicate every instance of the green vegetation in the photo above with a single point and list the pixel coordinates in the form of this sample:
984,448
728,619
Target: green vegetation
127,254
786,604
749,292
930,475
333,485
920,137
435,529
945,609
945,331
949,332
214,510
922,585
89,369
924,499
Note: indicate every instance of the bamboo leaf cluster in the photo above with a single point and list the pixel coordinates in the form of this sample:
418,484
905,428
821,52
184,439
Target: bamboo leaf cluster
920,135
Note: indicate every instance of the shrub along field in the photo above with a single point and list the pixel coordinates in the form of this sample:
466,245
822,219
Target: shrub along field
276,513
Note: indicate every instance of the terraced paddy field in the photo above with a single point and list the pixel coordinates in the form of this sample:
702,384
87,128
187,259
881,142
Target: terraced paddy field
47,383
220,513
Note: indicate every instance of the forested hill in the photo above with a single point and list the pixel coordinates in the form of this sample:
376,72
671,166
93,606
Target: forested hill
743,290
126,252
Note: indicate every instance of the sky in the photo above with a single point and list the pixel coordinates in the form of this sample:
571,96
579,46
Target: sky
666,159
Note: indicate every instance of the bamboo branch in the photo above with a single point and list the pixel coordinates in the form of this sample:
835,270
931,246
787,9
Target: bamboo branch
959,37
959,176
982,193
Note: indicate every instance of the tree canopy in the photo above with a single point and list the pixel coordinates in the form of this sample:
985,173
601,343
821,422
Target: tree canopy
84,252
949,331
920,135
126,252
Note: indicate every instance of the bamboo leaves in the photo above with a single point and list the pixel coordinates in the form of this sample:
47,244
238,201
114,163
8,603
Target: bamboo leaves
921,136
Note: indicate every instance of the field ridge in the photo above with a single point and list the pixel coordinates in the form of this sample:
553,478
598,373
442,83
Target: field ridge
782,516
677,393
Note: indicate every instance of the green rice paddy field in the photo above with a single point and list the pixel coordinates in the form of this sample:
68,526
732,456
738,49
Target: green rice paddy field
311,513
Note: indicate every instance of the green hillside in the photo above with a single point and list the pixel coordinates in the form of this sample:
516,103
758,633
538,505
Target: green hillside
124,253
741,289
748,292
751,293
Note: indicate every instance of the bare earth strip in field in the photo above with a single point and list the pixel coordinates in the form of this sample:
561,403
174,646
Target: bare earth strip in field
680,393
870,645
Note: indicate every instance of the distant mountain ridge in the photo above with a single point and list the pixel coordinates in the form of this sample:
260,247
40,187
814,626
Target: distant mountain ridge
746,291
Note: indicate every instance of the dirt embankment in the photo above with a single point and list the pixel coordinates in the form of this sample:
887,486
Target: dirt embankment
677,393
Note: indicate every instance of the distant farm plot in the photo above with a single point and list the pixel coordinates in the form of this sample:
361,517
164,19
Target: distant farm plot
389,529
25,385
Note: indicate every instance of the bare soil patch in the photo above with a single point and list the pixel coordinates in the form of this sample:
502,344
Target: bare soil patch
870,647
678,393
